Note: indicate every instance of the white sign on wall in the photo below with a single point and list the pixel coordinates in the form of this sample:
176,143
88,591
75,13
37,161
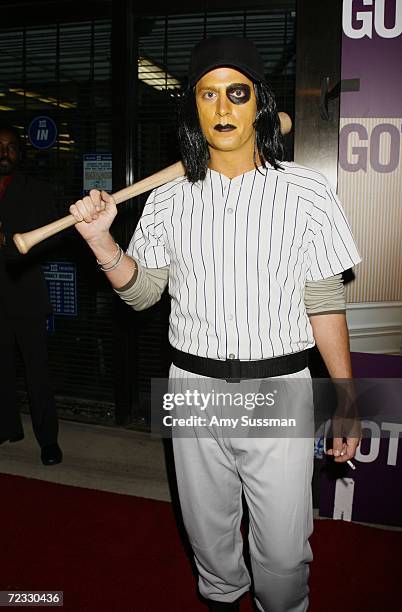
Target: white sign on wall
97,169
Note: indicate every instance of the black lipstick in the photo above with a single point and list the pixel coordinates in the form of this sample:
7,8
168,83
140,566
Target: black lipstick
224,128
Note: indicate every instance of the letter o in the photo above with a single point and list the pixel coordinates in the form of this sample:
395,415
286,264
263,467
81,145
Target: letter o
379,20
374,443
375,142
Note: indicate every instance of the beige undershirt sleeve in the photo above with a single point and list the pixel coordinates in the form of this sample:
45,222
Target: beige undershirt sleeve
325,296
146,289
320,297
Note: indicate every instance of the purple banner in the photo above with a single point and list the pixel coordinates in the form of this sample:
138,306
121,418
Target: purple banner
371,493
372,52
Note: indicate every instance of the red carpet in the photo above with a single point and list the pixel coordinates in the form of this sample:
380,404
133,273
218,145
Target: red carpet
115,553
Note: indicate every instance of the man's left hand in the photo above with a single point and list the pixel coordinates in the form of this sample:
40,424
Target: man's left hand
343,451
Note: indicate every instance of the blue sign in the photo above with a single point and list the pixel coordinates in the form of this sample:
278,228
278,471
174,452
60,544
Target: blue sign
42,132
61,279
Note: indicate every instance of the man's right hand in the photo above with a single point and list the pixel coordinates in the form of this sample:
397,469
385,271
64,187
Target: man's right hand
94,214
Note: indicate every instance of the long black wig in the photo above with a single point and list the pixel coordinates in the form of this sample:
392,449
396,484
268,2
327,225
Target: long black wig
194,147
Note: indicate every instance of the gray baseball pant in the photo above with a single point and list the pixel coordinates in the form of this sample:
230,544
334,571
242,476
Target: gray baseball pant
275,476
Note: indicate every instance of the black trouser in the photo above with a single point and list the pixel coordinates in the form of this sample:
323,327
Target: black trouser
30,336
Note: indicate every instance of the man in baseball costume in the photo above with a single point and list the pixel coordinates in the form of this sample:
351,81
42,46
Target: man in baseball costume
253,249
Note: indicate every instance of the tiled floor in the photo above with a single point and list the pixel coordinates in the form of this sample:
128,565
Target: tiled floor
105,458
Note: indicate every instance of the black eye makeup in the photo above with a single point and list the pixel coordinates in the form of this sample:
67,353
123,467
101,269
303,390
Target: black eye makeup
238,93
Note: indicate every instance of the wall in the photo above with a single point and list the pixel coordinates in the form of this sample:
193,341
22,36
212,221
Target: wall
370,168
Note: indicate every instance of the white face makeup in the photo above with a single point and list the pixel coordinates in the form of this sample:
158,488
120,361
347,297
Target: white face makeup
226,109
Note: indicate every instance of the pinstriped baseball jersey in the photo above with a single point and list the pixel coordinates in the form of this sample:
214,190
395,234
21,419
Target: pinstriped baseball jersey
239,253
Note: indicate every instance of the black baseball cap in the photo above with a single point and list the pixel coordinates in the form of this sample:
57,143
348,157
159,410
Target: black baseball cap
218,51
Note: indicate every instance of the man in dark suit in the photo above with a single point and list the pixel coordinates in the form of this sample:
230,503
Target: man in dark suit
25,204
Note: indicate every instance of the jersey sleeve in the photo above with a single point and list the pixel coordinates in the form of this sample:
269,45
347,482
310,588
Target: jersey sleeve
147,244
332,248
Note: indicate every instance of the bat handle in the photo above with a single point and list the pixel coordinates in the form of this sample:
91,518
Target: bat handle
25,242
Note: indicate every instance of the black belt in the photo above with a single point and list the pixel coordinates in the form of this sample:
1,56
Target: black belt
233,370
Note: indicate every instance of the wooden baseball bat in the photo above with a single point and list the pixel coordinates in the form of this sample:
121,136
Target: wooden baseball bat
24,242
286,123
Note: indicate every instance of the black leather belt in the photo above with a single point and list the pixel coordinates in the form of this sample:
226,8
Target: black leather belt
234,370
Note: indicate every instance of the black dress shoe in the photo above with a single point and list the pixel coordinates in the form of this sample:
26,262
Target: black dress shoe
51,454
15,438
220,606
